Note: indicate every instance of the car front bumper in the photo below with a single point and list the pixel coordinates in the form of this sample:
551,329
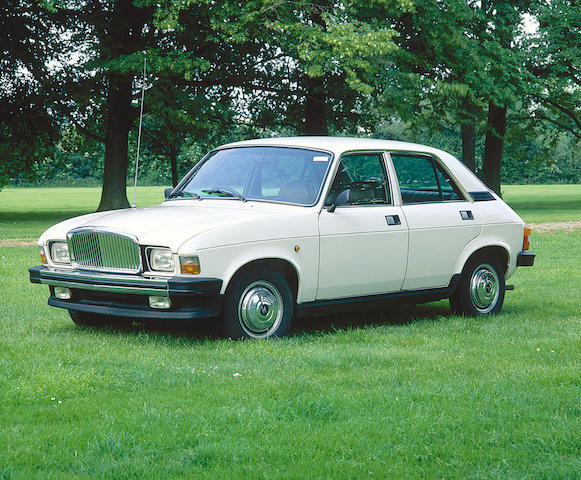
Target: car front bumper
128,295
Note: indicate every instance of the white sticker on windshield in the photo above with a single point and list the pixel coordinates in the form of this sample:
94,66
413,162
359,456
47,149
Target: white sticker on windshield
320,159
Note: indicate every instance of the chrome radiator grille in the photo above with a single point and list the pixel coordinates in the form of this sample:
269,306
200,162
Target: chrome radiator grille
104,251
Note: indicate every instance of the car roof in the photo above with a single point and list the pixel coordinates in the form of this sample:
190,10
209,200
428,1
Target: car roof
336,145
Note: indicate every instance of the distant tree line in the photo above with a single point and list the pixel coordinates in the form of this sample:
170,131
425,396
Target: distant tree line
463,75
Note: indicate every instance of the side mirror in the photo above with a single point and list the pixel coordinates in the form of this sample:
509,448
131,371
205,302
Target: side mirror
342,199
168,191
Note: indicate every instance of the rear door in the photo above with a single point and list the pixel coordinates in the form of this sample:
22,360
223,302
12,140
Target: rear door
363,244
440,219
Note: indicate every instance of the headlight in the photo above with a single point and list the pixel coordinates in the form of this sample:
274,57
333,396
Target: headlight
161,259
59,252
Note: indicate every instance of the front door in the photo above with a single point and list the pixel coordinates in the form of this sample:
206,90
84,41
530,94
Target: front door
364,237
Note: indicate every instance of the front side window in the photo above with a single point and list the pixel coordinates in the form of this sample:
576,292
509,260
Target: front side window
422,180
360,180
277,174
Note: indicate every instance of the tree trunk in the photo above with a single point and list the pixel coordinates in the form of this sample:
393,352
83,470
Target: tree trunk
173,159
494,144
114,194
316,92
315,107
468,131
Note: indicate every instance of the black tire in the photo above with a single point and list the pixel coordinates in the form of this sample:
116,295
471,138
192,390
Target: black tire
85,319
481,288
259,304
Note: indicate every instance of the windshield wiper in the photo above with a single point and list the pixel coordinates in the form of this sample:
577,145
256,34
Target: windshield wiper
181,193
223,191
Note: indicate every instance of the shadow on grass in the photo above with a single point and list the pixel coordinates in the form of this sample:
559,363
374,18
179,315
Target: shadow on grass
394,315
200,330
531,205
28,224
40,216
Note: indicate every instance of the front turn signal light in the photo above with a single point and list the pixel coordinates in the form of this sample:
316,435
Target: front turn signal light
190,265
42,255
525,241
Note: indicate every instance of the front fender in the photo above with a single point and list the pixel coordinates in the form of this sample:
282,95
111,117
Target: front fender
224,262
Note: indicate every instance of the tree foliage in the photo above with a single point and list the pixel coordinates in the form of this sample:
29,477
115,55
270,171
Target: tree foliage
27,131
219,71
556,61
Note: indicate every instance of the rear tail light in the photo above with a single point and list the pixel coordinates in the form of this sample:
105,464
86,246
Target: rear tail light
525,240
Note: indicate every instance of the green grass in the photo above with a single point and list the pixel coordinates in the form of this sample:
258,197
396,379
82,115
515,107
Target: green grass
545,203
27,212
413,392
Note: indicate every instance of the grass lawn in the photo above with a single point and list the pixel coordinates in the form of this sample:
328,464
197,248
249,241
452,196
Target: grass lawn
27,212
413,392
544,203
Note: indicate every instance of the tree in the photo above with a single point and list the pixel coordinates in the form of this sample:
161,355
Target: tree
27,130
337,49
456,58
556,61
500,20
436,76
109,36
306,66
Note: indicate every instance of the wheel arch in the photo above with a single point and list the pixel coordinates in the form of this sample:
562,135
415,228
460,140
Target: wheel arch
498,251
283,265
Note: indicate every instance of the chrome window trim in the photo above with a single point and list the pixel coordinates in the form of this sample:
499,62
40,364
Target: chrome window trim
381,155
441,164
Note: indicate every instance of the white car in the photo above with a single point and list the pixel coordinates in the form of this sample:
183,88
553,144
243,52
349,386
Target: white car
261,231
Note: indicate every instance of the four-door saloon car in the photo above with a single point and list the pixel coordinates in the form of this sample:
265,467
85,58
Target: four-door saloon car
263,230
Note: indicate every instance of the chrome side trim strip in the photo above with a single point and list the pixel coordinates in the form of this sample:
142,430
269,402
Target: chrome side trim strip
98,282
74,275
105,288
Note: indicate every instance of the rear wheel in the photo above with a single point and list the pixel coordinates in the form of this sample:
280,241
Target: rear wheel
259,304
481,288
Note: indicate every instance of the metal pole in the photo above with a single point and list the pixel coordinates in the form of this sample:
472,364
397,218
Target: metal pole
139,134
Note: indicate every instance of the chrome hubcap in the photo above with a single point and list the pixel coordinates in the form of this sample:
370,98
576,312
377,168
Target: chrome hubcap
260,309
484,288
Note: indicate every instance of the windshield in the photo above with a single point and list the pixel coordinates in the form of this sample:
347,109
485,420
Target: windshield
275,174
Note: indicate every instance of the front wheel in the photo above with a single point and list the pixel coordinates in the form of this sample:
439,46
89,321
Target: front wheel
481,288
259,304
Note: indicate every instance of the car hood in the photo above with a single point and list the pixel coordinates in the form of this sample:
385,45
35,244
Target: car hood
172,223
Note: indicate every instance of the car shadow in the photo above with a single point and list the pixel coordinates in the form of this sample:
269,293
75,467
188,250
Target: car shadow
394,315
308,325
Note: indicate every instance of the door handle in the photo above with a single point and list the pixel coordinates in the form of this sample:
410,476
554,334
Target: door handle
392,219
466,215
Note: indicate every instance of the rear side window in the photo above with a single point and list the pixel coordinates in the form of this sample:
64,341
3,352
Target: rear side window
422,180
